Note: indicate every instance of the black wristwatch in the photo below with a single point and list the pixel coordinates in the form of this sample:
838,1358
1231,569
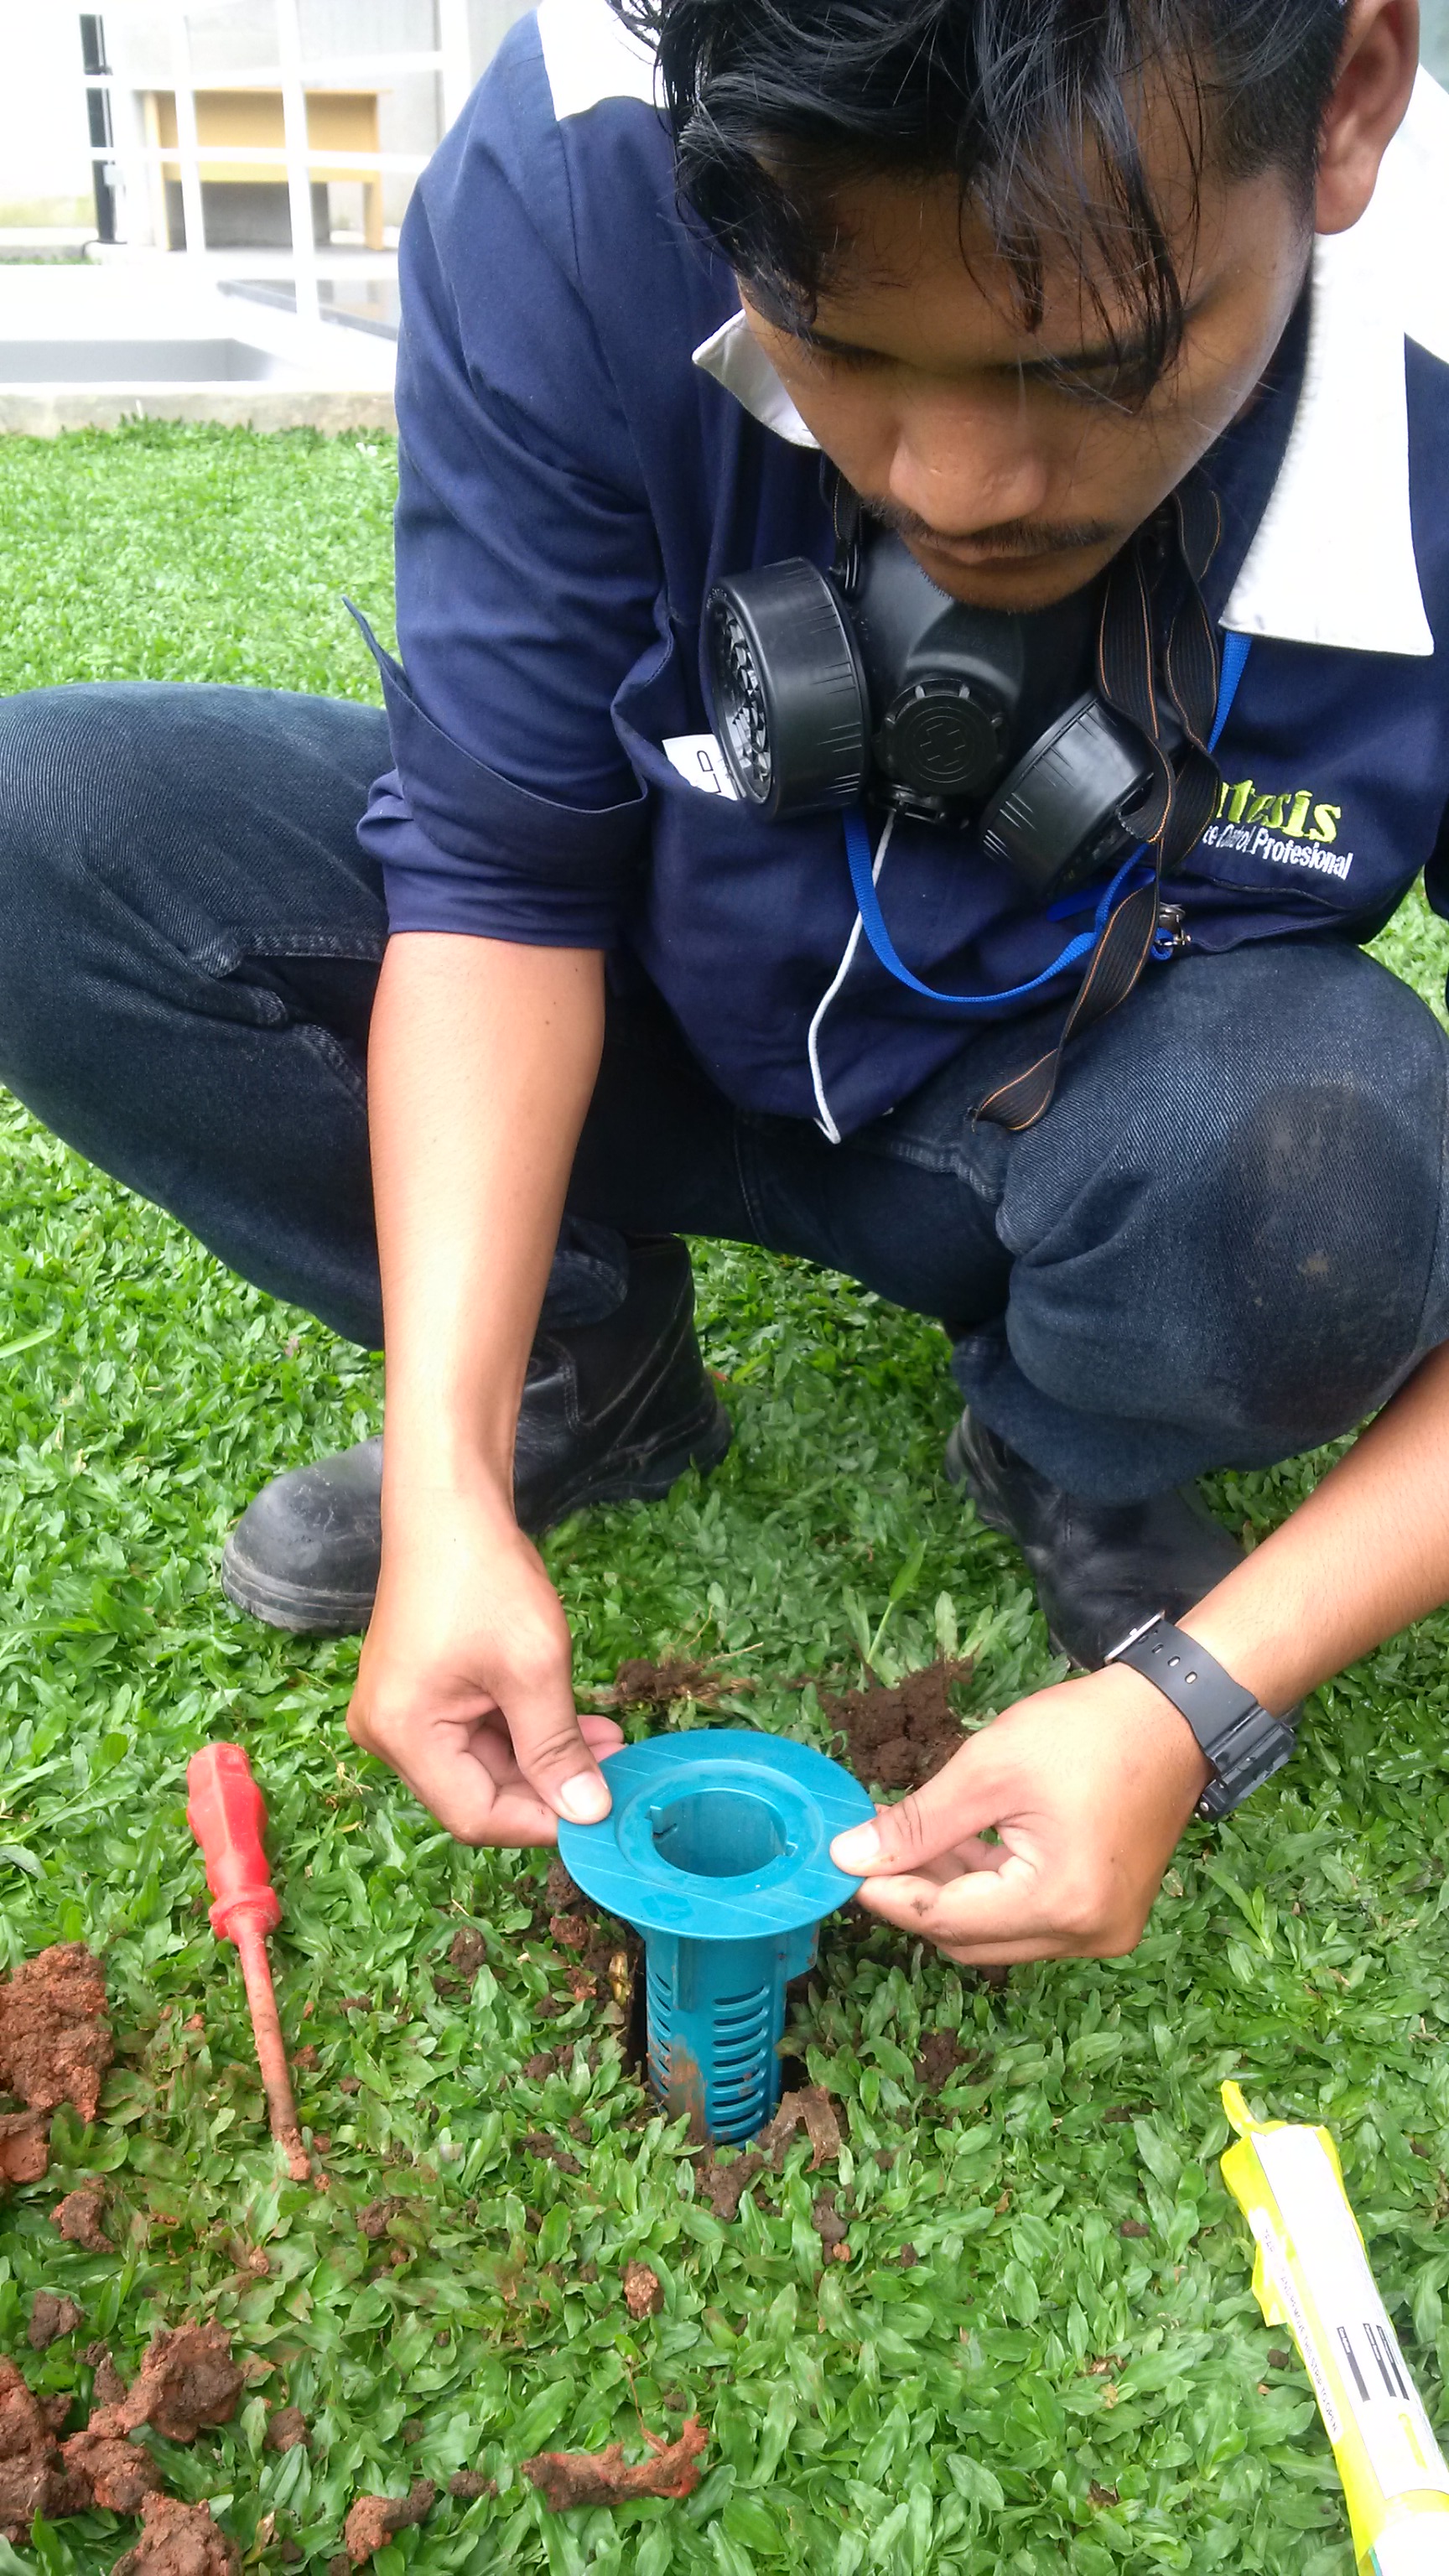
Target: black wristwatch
1244,1744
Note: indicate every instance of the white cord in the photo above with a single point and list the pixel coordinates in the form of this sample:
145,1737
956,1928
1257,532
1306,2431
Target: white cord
825,1122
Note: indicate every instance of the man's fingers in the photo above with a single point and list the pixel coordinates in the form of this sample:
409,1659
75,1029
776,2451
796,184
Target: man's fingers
448,1768
949,1810
1004,1909
556,1751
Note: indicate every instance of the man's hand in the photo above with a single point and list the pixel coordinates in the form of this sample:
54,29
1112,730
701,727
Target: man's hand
1087,1786
465,1681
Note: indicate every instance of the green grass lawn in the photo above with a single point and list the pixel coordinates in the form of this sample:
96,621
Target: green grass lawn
881,2414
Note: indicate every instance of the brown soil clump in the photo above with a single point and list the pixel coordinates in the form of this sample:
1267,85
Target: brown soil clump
566,2479
899,1736
34,2477
178,2540
468,2484
829,2226
187,2379
24,2145
812,2110
643,2290
50,2318
107,2386
467,1951
638,1683
372,2221
561,1893
536,2144
941,2053
374,2519
55,2040
286,2429
78,2217
120,2474
724,2186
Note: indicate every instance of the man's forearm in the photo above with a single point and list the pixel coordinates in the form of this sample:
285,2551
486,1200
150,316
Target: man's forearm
1366,1553
482,1063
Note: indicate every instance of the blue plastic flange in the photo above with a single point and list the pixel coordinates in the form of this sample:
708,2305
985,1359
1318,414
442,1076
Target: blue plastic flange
717,1849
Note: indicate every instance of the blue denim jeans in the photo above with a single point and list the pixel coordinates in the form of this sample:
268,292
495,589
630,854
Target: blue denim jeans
1222,1245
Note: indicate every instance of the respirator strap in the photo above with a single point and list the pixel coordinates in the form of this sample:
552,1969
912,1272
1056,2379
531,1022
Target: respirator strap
1201,693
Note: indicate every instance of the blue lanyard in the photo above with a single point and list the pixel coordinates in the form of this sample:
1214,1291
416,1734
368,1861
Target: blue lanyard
859,853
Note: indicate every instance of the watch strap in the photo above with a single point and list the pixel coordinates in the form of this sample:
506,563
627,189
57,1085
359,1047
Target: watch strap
1244,1743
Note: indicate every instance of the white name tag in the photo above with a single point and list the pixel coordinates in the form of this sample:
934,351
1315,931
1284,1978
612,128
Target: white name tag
697,757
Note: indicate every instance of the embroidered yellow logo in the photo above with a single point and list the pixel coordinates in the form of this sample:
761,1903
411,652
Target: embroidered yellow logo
1290,812
1290,829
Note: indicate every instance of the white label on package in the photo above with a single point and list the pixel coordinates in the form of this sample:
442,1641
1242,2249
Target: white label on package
1372,2372
698,757
1419,2548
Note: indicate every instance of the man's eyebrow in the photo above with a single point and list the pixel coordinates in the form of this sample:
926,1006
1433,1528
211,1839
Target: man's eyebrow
1126,356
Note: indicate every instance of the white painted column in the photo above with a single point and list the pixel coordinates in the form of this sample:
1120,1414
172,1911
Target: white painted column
299,181
186,134
457,57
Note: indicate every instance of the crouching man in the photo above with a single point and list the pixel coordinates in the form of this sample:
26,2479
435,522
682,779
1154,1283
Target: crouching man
921,551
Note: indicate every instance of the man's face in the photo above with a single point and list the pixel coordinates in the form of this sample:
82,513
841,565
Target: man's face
1015,463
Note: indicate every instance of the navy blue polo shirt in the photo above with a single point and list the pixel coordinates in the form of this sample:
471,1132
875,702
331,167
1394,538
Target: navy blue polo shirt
590,437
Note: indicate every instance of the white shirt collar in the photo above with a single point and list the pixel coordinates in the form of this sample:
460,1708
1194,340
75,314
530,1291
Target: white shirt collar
1333,558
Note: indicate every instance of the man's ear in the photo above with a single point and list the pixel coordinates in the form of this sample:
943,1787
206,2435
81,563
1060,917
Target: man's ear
1376,75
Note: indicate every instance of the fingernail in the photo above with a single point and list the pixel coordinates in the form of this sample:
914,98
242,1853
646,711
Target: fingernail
857,1849
584,1799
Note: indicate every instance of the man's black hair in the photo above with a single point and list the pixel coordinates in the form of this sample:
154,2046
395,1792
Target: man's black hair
1033,106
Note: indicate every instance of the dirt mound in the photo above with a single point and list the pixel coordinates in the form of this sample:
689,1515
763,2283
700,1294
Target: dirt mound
286,2429
78,2217
939,2056
55,2040
897,1737
187,2379
50,2318
120,2474
24,2145
178,2540
643,2290
374,2519
638,1683
107,2386
566,2479
812,2110
34,2477
724,2186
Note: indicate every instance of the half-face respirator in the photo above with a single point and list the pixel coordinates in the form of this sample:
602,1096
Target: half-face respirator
870,685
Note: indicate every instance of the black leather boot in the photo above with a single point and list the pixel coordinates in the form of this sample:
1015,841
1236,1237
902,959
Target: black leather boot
1100,1569
612,1412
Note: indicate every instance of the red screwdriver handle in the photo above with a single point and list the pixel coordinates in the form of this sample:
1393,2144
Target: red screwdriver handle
227,1814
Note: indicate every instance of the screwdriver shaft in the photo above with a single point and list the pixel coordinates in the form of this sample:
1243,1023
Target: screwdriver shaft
271,2054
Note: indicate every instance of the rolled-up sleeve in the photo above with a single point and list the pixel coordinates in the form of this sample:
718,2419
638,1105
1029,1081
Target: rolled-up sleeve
527,562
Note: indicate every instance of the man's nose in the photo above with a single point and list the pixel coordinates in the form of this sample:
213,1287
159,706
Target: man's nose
963,472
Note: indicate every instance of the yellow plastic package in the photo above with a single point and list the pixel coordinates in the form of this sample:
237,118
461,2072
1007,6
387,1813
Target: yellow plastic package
1311,2274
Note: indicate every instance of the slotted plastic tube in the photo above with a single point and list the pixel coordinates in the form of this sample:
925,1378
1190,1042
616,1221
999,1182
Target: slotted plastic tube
226,1812
717,1850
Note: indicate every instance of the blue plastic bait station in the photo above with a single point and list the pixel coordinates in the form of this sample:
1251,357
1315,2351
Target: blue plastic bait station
717,1850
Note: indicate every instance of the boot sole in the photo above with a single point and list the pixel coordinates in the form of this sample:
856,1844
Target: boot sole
307,1612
